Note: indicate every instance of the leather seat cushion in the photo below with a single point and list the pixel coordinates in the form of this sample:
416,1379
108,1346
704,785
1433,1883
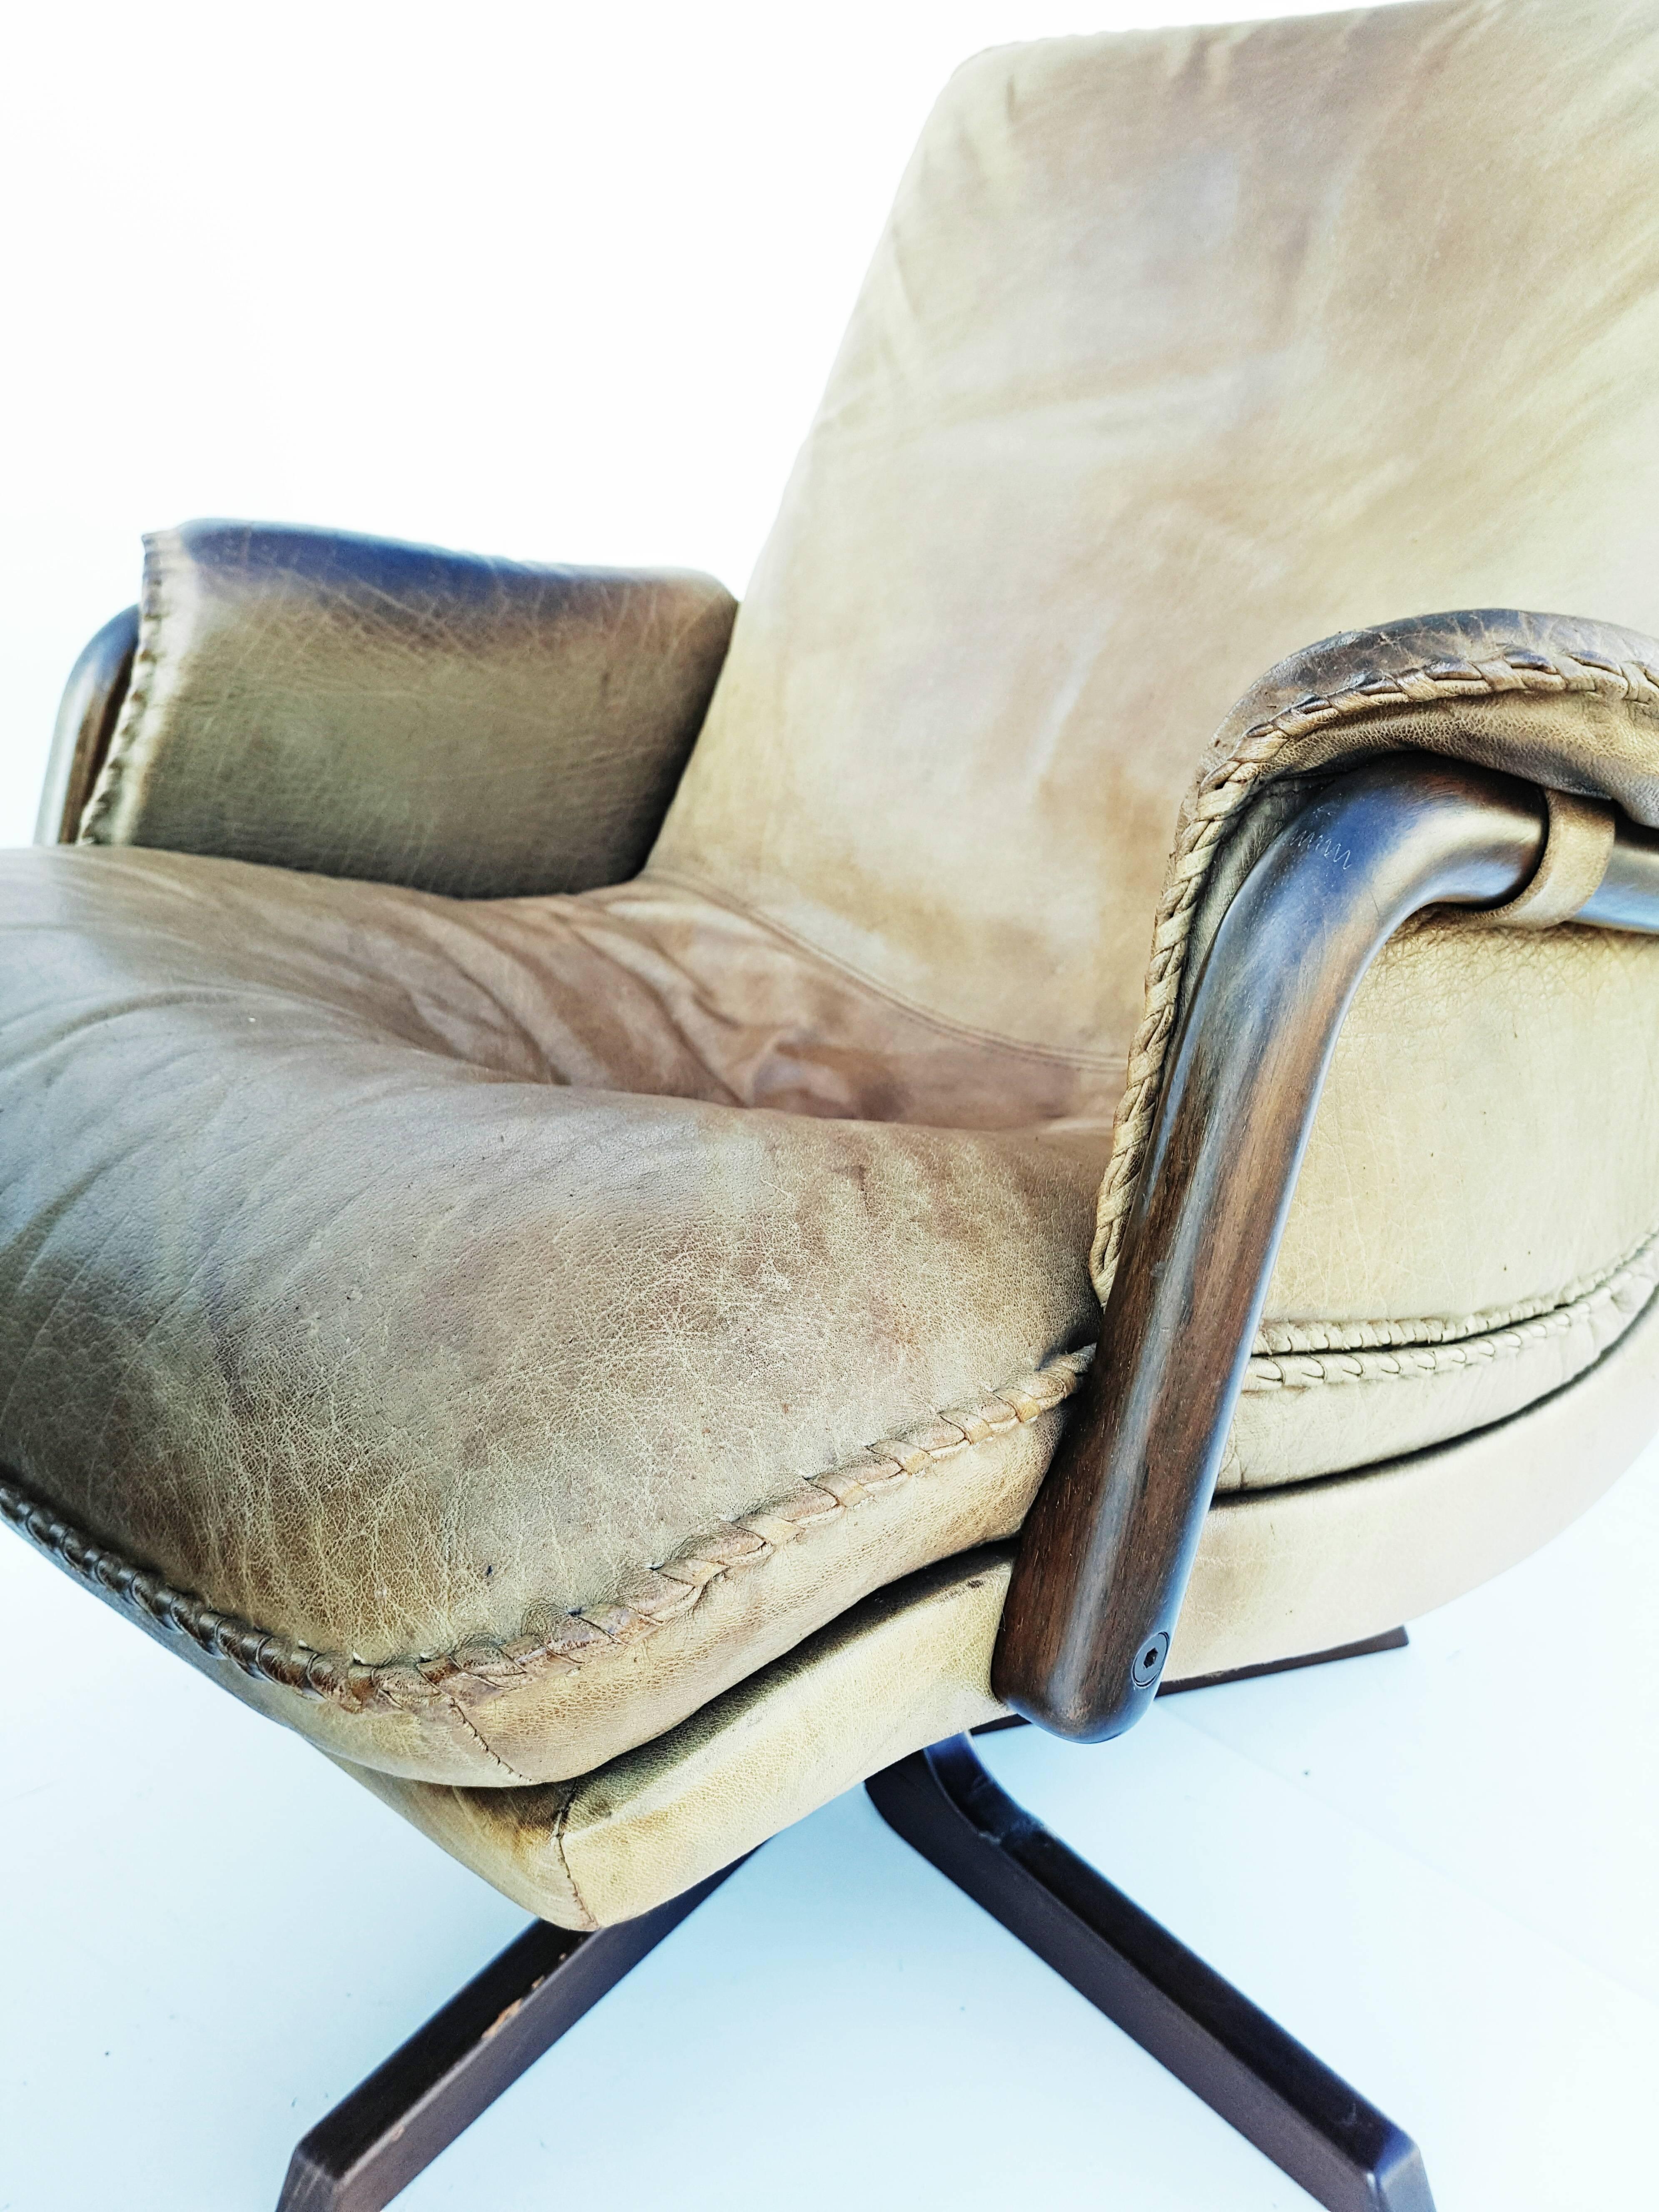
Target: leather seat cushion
1299,1571
543,1413
421,1308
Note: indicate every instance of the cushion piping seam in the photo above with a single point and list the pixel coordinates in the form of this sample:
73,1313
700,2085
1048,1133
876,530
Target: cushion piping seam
578,1636
553,1639
1426,1362
1223,791
561,1823
479,1737
1279,1340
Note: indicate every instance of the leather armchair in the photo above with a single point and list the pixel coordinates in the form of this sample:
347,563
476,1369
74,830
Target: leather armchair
555,1206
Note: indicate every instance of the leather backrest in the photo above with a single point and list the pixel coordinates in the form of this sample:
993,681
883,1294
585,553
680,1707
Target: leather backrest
1181,350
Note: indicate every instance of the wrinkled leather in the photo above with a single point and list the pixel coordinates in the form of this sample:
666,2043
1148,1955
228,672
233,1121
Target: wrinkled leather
1300,1570
1181,349
363,1321
389,1428
483,727
397,1273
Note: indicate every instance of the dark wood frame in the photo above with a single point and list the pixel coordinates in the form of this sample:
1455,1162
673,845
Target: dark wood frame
1346,2154
1108,1544
943,1804
1108,1547
394,2123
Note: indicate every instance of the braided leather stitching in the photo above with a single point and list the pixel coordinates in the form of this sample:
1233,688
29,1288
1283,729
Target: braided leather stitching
1220,795
551,1637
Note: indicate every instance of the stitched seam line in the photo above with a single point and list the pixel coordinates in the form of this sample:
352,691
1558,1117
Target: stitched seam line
552,1640
1627,1292
477,1735
561,1821
93,826
1276,1340
1087,1063
1219,797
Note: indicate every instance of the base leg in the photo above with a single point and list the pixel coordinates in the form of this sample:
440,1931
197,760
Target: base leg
1391,1639
393,2124
1313,2126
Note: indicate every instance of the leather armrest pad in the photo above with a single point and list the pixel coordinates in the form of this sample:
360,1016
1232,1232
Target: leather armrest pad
355,707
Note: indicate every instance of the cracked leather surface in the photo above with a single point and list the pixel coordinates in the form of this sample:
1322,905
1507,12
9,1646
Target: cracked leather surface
365,1321
393,1270
482,727
1281,1573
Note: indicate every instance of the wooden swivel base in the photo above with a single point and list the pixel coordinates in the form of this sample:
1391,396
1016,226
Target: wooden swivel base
393,2125
943,1804
1289,2104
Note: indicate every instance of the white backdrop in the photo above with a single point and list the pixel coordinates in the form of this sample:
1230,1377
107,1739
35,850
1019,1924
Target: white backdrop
564,282
556,280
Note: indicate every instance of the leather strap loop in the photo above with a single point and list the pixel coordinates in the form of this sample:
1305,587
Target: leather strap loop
1576,856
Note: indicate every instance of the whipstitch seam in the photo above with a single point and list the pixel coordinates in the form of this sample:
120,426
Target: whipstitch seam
1219,796
551,1637
135,708
1277,1339
1627,1290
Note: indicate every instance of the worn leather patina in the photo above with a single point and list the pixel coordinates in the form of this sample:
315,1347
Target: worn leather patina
494,1360
578,1339
1296,1571
313,699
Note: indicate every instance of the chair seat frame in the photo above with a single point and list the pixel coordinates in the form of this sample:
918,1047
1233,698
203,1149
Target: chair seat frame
1109,1543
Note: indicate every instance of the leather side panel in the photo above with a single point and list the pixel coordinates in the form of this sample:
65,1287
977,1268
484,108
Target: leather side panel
1295,1570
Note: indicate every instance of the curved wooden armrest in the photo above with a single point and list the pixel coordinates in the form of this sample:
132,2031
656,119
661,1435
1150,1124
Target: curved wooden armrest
1110,1542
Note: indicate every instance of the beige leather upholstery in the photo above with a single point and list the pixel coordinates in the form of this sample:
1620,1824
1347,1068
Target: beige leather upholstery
1547,1119
1299,1570
1181,349
553,1349
364,1323
1580,834
479,727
